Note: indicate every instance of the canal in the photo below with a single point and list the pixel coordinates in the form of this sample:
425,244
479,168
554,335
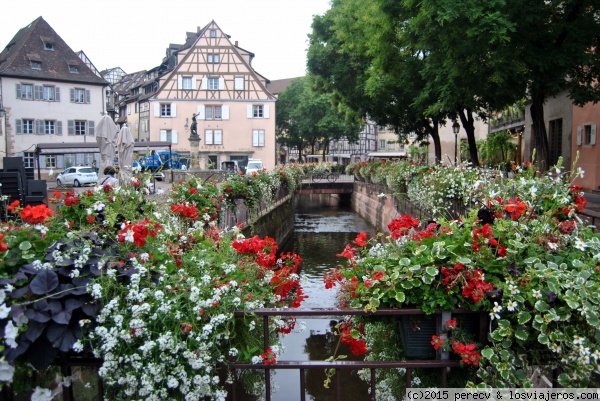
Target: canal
323,227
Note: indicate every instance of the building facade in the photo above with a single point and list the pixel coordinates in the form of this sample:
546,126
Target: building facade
49,94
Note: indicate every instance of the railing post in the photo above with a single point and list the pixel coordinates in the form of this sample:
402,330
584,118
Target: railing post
267,371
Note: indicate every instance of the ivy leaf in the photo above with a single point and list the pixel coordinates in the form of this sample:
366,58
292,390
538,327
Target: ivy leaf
25,246
44,282
431,271
487,353
523,317
400,297
543,339
542,306
521,334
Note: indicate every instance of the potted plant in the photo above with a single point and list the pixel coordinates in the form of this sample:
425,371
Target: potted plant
521,256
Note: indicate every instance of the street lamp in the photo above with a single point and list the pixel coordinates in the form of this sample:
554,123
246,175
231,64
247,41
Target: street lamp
456,130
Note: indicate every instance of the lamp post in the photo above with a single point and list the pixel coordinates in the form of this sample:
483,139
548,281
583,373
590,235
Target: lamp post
456,130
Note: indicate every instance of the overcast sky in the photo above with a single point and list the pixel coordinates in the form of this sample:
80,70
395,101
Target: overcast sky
134,34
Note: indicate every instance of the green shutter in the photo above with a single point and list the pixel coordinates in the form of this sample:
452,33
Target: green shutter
18,91
19,124
71,127
59,128
39,127
72,95
57,94
38,92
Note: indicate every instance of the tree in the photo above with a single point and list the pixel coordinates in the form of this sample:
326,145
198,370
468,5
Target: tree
306,117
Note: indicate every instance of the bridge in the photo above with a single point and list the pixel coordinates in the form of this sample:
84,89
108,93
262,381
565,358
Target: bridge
330,184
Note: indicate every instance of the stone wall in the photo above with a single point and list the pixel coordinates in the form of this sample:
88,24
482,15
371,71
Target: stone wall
276,222
377,205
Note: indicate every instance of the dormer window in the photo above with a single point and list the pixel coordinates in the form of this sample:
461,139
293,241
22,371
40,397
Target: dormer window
49,46
73,69
36,65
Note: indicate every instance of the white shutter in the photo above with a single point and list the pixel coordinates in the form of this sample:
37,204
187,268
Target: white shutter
200,112
173,110
59,128
254,137
579,134
38,92
193,83
88,97
72,95
204,84
57,94
180,82
18,91
91,128
173,136
593,135
39,127
163,135
71,127
249,111
19,125
225,113
218,137
266,111
221,83
156,109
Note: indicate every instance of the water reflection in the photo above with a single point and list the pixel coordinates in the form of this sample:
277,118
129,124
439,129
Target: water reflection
322,230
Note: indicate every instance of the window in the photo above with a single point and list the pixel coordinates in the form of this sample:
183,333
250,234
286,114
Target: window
213,137
49,127
49,46
382,144
555,140
257,111
186,83
401,147
25,91
167,135
213,84
27,126
258,137
239,83
80,127
36,65
212,162
50,161
412,135
28,159
213,58
213,33
78,95
213,112
165,110
73,69
49,93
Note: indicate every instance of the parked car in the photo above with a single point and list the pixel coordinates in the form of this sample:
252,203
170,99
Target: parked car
254,165
230,165
77,176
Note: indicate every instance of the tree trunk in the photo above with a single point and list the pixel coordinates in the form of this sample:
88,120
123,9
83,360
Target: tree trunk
542,148
468,123
435,137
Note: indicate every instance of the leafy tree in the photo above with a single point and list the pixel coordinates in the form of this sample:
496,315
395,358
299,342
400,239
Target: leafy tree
306,117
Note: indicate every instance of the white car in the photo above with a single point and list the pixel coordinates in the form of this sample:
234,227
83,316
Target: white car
254,165
77,176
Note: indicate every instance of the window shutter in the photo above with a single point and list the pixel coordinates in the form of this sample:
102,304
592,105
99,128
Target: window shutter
88,98
71,127
163,135
18,91
225,113
255,137
579,134
204,84
208,138
179,82
39,127
72,95
173,109
19,125
266,111
194,83
59,128
156,109
56,94
38,92
200,113
249,111
173,136
91,128
128,109
593,135
221,83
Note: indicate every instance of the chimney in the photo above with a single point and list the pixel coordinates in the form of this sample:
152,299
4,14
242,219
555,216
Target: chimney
236,43
198,29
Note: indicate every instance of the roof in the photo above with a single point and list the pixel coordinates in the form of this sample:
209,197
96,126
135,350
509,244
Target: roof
277,86
31,43
92,147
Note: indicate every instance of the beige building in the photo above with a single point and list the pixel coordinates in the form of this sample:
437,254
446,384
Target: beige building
48,94
210,80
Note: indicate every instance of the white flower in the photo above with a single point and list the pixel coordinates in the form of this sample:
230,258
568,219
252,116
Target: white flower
512,305
10,334
381,195
580,172
514,289
4,311
41,394
537,294
579,244
6,371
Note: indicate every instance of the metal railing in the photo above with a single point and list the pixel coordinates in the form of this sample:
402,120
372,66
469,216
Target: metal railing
338,365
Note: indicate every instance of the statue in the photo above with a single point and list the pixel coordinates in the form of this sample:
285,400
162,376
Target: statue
193,128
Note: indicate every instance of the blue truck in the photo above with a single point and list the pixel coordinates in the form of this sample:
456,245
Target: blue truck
161,161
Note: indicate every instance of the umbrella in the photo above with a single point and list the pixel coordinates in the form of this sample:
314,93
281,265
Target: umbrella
105,136
125,149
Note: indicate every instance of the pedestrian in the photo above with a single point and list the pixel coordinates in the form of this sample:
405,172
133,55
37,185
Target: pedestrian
109,179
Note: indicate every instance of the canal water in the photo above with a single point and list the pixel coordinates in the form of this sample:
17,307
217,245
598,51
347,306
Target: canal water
323,227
